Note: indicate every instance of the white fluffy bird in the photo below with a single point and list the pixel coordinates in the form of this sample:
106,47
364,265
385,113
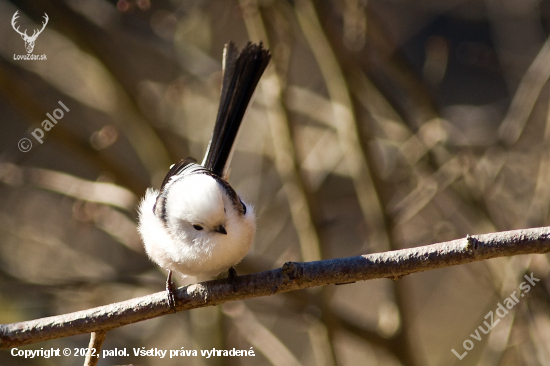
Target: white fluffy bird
197,225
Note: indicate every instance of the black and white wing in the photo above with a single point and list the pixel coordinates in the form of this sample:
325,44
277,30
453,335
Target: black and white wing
183,167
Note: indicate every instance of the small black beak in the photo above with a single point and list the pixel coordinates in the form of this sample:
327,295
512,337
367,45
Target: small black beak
220,229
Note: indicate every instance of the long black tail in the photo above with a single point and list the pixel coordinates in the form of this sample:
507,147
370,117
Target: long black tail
241,73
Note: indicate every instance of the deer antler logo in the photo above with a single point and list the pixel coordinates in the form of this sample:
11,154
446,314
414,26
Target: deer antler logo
29,41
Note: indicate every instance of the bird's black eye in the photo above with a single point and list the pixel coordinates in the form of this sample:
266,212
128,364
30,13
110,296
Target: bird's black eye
197,227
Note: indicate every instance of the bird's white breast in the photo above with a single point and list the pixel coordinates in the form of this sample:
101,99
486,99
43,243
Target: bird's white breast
176,245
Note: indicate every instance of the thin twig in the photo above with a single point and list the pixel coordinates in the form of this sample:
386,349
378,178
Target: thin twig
96,341
292,276
526,96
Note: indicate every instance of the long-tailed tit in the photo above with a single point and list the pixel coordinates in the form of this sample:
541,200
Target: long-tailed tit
197,225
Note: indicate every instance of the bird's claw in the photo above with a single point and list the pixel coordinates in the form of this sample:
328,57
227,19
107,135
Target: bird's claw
231,273
232,276
171,292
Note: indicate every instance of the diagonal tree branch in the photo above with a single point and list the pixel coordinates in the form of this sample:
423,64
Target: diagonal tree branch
292,276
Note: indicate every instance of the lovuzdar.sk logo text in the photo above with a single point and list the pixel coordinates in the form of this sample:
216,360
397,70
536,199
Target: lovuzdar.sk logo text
29,40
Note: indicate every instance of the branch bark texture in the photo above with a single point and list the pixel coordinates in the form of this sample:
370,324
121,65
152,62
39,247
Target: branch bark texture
292,276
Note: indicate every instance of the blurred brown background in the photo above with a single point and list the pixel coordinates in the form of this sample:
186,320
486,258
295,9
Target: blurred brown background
378,125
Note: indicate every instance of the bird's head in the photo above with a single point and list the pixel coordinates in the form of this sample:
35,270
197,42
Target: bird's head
196,209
